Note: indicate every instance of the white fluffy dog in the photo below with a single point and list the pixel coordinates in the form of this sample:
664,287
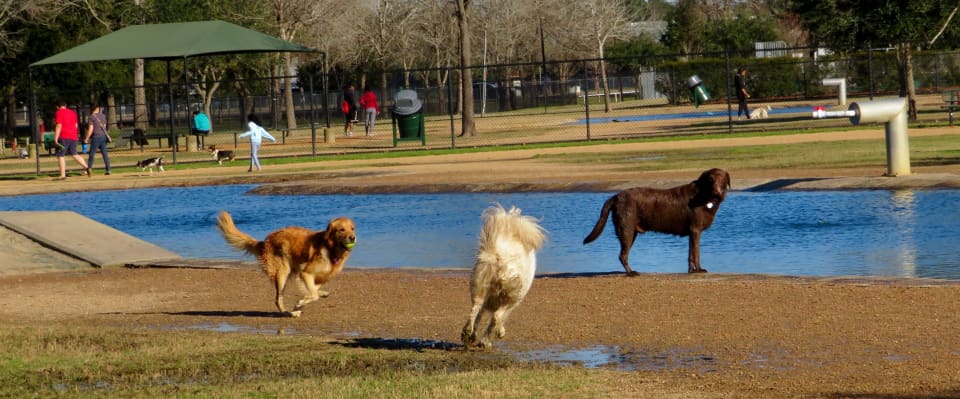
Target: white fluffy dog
761,112
504,269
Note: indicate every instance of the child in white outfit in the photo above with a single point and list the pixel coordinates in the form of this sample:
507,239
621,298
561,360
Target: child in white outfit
257,134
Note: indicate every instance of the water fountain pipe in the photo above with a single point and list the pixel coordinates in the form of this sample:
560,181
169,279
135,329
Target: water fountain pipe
841,83
891,111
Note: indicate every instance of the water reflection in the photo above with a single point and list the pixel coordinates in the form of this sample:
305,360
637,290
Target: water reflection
904,218
863,233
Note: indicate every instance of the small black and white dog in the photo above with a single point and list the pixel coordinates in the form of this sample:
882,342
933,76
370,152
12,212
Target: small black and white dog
221,155
150,163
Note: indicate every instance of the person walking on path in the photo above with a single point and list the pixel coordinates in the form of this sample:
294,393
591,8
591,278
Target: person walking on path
739,82
65,136
256,134
97,137
368,101
201,127
350,106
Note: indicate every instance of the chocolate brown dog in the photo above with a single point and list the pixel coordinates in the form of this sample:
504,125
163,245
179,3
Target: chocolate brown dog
686,210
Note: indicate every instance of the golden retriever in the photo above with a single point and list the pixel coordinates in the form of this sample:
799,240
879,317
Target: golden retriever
313,256
503,270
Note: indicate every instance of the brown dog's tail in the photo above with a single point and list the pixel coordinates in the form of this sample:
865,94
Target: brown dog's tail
236,238
602,221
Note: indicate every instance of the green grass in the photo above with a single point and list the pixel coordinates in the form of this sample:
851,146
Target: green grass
931,150
82,362
854,153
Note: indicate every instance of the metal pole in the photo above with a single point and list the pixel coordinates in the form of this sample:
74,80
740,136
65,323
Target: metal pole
726,56
34,127
586,100
453,135
173,138
313,118
543,66
870,68
326,109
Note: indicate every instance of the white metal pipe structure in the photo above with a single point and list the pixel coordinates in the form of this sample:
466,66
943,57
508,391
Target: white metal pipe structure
841,83
891,111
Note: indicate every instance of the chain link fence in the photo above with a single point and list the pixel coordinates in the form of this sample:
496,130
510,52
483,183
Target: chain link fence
513,104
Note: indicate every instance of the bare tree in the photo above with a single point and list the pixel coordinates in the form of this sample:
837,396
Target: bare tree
13,11
333,38
32,11
509,28
436,30
291,17
607,20
468,125
392,34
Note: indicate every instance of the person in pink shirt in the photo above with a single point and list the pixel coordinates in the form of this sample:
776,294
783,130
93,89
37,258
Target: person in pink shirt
66,134
368,101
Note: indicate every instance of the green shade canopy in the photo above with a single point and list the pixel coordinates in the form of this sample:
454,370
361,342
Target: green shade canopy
174,40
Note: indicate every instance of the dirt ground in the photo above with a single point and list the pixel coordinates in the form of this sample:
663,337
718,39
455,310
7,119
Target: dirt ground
707,335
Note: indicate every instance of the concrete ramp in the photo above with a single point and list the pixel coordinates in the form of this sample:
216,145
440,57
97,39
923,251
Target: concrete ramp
84,238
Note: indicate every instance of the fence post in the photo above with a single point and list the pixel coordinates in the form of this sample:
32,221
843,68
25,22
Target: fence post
313,120
586,101
870,68
726,56
453,135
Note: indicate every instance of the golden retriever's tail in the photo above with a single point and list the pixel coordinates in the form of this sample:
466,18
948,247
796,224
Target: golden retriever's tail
598,228
498,222
236,238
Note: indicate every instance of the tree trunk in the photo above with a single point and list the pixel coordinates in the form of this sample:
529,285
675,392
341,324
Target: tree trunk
466,79
140,115
289,104
111,110
605,86
10,102
911,88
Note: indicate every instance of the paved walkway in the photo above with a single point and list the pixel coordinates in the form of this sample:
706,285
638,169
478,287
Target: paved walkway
84,238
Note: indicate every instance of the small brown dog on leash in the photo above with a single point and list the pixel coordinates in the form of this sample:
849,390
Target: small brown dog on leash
687,210
313,256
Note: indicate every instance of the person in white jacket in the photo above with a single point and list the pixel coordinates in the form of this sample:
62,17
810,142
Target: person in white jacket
257,134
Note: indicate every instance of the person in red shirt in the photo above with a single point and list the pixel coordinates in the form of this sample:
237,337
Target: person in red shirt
368,101
66,134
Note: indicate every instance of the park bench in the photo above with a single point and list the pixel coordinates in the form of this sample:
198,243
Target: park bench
141,138
951,102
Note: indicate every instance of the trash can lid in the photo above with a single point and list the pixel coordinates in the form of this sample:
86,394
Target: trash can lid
405,102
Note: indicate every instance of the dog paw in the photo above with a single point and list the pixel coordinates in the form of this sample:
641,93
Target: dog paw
295,313
323,294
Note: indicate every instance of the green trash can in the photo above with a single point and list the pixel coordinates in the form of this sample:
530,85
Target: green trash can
410,127
699,90
408,122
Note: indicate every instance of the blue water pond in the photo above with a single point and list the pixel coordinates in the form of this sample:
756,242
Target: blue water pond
860,233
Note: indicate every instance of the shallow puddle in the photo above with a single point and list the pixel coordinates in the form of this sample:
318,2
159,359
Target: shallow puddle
615,357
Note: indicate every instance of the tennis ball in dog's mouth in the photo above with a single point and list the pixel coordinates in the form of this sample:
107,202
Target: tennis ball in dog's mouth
709,205
349,245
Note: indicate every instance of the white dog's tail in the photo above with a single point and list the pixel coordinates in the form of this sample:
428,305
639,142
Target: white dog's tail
498,222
